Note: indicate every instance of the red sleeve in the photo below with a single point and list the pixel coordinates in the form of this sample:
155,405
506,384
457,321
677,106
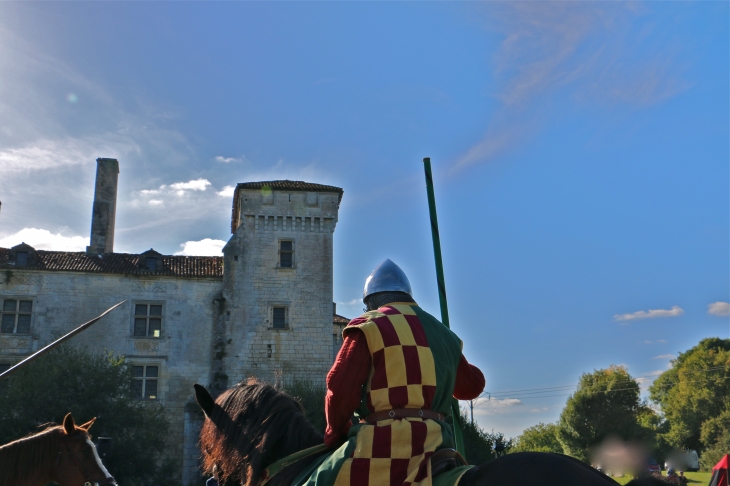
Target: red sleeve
469,381
344,385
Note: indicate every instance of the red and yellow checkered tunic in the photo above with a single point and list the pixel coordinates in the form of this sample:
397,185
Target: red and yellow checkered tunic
403,375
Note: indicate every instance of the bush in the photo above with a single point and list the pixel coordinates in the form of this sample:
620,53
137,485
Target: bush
311,396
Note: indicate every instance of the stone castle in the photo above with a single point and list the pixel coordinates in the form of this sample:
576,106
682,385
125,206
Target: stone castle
264,307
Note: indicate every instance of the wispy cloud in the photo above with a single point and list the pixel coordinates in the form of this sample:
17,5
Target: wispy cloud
719,309
497,406
42,239
226,160
658,341
552,46
204,247
650,314
664,356
178,189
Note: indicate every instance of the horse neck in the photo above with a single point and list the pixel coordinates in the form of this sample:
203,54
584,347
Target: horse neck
28,461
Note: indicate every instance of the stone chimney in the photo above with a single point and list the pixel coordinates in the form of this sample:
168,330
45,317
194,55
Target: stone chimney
105,207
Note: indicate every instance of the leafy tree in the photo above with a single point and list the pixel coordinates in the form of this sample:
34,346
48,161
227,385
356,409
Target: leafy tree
89,385
605,404
539,438
311,396
695,391
481,446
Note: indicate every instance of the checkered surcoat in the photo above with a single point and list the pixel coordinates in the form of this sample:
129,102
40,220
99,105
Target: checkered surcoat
403,375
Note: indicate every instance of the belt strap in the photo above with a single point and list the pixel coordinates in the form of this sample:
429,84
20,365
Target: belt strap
398,413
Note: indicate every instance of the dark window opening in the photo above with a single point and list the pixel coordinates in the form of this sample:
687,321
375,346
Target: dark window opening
268,350
279,317
148,320
16,316
151,263
286,253
144,382
21,259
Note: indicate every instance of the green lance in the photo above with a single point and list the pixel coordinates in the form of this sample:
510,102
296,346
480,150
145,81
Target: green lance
455,412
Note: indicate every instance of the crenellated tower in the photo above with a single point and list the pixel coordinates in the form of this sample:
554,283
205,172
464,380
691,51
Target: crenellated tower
276,304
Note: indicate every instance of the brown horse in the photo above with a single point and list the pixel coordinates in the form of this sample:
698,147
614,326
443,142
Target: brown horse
251,426
63,454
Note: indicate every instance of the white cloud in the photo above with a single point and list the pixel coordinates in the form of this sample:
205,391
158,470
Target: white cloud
196,185
226,160
47,154
41,239
655,373
719,309
204,247
664,356
179,189
227,191
650,314
496,406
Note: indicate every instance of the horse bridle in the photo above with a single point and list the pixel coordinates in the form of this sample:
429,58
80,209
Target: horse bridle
72,455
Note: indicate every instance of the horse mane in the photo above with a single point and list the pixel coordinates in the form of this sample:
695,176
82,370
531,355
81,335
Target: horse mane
251,426
26,456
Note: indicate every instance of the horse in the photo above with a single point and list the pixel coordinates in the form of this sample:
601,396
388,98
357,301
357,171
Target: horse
63,454
252,425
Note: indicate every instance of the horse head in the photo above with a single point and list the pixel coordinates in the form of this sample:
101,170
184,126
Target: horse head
249,427
77,462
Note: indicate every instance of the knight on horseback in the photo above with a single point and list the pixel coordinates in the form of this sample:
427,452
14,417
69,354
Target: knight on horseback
397,369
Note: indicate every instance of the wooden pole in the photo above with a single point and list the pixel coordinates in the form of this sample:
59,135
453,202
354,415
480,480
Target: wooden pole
455,411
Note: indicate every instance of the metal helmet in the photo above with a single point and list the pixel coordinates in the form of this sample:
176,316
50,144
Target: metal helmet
387,277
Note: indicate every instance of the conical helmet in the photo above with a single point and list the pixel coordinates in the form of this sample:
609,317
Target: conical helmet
387,277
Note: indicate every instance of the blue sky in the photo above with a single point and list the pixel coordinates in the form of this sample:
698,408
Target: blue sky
580,152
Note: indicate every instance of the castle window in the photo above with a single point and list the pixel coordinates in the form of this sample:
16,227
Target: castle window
16,316
279,318
286,254
148,319
144,382
21,259
151,263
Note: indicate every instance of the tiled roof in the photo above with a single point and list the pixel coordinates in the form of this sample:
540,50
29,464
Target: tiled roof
284,185
338,319
120,263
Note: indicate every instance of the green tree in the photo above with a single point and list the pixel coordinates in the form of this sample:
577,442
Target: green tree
89,385
695,390
480,446
539,438
605,404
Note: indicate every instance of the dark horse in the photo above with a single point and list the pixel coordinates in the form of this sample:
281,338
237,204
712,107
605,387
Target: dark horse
251,426
63,454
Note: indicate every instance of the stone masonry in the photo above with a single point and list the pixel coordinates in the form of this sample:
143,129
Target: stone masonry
217,313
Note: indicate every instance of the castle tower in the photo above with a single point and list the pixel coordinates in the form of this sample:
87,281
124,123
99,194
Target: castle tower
276,304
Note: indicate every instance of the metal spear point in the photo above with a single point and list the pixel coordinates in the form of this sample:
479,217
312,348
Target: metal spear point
55,343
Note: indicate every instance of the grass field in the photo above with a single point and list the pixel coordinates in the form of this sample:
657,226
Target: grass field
694,478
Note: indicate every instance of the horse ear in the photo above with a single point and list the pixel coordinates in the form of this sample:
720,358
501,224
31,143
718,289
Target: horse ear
68,424
88,424
206,402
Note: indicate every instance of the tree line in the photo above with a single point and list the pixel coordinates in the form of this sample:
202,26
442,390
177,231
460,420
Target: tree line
688,407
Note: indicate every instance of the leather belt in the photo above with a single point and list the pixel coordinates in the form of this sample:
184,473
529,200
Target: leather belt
398,413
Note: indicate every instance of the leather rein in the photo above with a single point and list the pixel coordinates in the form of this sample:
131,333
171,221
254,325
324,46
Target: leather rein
110,481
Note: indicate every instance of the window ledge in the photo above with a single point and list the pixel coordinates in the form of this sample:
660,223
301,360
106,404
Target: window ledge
279,328
148,337
286,269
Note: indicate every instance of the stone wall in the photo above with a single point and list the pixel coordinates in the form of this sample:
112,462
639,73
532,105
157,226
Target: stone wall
64,300
255,282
